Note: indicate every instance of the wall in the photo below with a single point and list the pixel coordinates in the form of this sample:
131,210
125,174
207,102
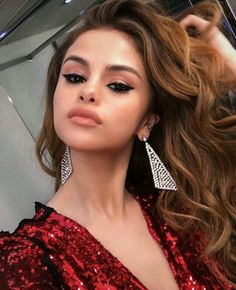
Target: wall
25,83
22,180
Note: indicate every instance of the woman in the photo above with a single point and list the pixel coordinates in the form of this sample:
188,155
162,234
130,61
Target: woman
143,152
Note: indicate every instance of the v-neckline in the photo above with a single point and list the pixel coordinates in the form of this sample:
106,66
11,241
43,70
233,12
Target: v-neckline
102,247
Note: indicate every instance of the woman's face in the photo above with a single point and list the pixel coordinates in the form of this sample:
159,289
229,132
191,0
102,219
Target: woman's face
102,73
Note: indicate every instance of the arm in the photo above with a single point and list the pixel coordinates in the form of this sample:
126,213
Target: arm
21,265
216,39
231,64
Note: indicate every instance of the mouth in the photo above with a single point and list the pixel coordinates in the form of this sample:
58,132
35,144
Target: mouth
84,117
84,121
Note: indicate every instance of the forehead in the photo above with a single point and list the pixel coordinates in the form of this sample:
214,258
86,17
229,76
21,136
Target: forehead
106,45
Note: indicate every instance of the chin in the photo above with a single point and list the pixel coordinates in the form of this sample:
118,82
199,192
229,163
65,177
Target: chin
83,146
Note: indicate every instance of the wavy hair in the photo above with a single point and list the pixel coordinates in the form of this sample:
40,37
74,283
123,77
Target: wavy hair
196,136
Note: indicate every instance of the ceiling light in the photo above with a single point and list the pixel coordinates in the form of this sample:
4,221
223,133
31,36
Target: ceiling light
2,35
67,1
10,99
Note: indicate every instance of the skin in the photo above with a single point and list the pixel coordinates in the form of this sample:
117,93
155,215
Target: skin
216,39
95,195
100,155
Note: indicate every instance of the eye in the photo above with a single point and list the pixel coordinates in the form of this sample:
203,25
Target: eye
73,78
120,88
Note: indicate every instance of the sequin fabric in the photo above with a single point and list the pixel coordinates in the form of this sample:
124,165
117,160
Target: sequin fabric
52,251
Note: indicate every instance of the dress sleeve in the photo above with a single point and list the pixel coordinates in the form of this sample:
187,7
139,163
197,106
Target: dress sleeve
22,266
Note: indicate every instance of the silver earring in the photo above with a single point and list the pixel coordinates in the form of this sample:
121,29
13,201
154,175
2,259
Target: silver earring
161,176
66,165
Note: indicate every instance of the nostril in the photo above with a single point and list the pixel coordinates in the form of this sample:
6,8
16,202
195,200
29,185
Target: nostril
91,99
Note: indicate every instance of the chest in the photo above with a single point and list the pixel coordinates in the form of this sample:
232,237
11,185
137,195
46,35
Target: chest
137,250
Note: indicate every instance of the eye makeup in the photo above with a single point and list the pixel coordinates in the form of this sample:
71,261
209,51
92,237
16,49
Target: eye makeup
74,78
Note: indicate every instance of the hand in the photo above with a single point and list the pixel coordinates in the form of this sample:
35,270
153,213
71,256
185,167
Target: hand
214,37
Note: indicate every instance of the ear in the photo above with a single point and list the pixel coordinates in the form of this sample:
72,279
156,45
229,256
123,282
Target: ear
146,127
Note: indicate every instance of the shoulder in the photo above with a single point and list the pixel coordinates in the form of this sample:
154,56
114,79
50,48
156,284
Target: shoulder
15,245
22,264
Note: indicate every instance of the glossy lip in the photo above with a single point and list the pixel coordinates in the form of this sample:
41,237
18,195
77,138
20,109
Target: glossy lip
80,112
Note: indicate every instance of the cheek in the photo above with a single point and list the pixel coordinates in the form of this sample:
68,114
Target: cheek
58,113
60,100
127,117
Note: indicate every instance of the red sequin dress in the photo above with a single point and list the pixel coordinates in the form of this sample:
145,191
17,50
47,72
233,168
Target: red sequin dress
52,251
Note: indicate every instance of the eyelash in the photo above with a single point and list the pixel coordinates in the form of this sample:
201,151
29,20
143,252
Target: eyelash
120,87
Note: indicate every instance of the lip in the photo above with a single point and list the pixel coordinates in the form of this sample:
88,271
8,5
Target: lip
84,113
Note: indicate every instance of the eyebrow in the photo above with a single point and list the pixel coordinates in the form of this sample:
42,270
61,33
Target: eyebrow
110,67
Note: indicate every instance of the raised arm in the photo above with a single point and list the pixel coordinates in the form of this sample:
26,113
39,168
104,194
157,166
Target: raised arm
216,39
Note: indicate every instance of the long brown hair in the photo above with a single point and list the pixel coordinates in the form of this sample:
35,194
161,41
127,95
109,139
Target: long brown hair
196,136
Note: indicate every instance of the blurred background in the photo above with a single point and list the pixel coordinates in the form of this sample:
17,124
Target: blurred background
30,31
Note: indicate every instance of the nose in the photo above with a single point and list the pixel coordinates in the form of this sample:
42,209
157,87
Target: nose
89,91
86,99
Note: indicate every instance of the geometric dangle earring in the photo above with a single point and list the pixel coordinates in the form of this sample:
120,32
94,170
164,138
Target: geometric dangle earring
66,165
161,176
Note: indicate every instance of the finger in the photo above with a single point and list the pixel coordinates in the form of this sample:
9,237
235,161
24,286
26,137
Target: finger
196,21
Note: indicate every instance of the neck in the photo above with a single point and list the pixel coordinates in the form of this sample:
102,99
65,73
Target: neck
97,185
